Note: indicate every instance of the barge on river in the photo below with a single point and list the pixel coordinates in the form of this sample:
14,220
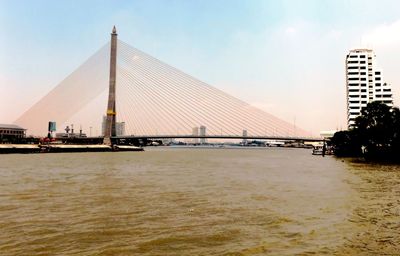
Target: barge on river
62,148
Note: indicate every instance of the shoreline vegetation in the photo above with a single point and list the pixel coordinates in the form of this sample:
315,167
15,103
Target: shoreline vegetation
375,136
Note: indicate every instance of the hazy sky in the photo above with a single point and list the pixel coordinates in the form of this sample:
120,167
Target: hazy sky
285,57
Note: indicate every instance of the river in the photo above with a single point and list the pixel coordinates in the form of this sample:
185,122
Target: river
179,201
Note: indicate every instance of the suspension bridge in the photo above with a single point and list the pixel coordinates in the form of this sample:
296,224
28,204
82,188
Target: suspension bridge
153,99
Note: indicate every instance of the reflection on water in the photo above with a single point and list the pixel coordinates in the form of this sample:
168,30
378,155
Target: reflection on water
197,202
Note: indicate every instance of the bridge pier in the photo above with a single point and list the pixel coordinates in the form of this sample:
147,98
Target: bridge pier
110,130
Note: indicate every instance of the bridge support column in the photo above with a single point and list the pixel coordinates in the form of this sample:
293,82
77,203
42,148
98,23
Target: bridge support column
111,111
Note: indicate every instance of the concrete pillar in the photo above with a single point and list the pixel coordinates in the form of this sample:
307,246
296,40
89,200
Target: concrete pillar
110,129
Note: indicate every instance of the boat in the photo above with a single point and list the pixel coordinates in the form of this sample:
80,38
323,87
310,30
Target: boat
319,150
19,148
127,148
63,148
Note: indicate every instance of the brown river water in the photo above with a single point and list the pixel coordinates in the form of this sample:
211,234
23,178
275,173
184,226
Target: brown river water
179,201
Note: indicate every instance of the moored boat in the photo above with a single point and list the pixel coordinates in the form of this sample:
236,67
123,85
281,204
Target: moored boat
19,148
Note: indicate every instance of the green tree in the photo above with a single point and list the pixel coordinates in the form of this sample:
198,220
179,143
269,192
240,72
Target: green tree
346,143
375,126
376,130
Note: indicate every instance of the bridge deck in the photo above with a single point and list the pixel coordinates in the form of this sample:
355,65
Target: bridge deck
305,139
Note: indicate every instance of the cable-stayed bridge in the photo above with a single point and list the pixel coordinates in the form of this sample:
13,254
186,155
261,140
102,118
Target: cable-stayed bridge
154,99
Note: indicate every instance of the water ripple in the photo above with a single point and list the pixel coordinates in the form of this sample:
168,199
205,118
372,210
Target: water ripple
197,202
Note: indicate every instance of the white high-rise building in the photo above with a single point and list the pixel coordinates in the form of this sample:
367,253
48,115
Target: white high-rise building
364,83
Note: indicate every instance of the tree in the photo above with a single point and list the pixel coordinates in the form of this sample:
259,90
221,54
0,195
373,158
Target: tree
375,126
376,130
346,143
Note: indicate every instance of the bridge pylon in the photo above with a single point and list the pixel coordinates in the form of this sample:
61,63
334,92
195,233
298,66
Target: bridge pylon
110,129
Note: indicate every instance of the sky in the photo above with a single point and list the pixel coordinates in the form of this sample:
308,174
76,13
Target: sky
285,57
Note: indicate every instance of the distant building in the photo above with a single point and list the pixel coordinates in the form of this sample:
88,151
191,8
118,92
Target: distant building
203,133
364,83
195,132
327,134
119,127
11,132
70,133
244,141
